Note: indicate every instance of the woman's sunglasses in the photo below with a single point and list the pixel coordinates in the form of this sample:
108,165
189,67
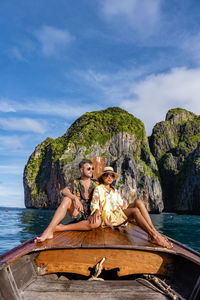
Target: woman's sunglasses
109,175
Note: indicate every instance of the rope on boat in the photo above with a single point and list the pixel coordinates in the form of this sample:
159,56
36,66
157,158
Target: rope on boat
98,270
149,284
159,286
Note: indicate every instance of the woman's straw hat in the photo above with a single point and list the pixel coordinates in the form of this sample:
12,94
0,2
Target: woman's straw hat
108,170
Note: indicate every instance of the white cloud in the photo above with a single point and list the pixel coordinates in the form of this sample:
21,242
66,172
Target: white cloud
143,16
22,124
54,108
52,39
10,143
58,108
6,106
146,97
114,86
152,96
156,94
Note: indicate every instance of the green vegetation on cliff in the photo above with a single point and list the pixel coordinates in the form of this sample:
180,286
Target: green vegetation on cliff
100,126
180,129
32,169
93,128
173,143
179,115
90,129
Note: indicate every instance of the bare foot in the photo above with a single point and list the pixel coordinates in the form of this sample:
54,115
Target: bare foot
160,240
159,237
166,239
47,235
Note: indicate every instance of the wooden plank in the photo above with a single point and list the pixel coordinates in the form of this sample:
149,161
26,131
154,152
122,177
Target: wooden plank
134,237
131,235
64,239
17,252
94,238
186,252
79,289
67,239
99,162
92,295
80,260
115,237
22,271
178,248
8,288
196,291
97,237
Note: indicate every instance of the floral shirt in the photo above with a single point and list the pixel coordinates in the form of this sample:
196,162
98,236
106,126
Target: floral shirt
110,205
77,188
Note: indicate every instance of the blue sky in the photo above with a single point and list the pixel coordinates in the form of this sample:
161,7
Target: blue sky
60,59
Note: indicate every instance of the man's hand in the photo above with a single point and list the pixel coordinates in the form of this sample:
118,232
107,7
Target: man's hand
77,204
94,218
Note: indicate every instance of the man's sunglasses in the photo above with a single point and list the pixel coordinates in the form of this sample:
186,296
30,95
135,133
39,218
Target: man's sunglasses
90,168
109,175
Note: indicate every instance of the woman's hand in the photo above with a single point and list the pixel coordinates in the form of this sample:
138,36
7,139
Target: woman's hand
94,218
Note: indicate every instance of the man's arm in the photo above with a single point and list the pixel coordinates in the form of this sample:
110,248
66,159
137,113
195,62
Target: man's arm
76,201
66,193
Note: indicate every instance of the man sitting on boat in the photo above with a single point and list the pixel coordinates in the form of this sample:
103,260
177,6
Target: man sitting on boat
77,199
109,209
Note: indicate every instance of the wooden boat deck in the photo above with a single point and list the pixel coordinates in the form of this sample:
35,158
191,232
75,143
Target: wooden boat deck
124,237
128,254
78,289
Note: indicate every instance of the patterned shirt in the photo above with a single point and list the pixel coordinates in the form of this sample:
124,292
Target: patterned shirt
110,205
77,188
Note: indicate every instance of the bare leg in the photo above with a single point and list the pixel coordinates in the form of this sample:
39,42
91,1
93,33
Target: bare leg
66,205
140,205
156,238
82,225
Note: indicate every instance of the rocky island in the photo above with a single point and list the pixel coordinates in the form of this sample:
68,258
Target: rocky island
162,171
175,144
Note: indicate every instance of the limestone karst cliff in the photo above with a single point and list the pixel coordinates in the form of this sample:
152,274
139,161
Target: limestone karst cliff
112,133
175,143
173,162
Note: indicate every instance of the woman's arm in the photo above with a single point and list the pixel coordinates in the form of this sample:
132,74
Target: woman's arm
95,203
94,207
121,202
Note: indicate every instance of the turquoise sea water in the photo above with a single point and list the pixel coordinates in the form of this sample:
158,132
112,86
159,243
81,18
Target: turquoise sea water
19,224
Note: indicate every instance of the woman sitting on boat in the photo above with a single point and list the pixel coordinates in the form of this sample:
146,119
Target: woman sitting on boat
109,209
